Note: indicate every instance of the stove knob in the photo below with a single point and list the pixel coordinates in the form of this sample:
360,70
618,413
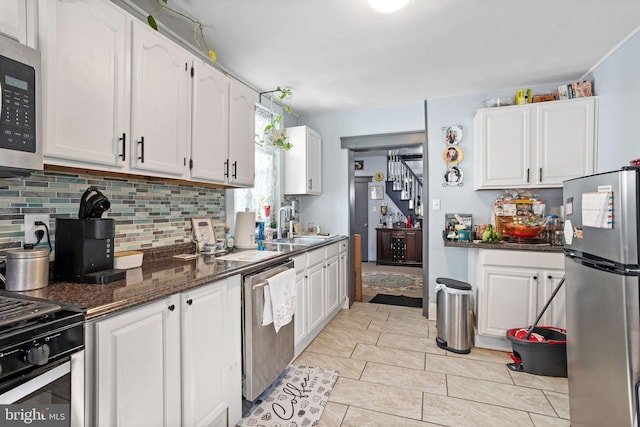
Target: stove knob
38,354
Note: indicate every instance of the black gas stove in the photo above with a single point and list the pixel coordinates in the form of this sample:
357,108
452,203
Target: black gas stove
34,335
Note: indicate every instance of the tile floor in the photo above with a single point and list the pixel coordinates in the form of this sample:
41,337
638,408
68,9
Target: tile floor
371,267
393,374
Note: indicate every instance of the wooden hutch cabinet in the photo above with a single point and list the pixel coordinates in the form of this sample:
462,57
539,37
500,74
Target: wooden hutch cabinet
399,246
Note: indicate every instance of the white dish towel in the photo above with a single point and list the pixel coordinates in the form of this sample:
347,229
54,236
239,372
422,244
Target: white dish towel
279,299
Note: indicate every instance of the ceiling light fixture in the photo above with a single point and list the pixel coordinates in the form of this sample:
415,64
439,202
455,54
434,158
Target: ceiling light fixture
388,6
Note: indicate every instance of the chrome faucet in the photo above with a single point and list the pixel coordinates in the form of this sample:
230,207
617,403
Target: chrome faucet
288,210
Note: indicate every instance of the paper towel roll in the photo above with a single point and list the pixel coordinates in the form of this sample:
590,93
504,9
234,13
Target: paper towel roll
245,237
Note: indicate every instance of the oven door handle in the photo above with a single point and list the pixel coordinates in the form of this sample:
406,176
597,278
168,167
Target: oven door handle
35,383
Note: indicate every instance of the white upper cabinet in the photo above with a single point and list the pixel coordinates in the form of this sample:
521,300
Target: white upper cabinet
160,101
503,147
303,162
223,129
18,21
242,136
565,136
209,124
86,82
534,145
129,100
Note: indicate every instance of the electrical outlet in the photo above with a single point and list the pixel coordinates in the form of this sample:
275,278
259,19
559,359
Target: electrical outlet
436,204
30,227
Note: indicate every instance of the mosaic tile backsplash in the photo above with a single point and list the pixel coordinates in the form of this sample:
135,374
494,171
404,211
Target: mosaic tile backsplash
148,214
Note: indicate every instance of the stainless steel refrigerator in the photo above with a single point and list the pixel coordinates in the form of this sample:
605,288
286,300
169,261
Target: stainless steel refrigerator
603,302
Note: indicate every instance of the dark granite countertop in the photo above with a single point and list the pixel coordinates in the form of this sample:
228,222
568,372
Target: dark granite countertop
161,277
538,247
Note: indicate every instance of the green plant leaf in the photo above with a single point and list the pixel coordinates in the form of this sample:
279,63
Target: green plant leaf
287,109
152,22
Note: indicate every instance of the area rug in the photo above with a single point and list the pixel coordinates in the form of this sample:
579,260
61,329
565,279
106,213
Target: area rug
297,398
397,281
397,300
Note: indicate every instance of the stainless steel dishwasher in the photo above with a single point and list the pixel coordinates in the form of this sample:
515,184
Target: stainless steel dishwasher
265,353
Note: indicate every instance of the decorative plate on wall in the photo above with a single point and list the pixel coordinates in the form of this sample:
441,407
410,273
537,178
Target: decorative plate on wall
452,155
378,176
452,176
451,135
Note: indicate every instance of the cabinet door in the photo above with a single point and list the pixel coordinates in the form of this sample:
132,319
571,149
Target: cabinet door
314,162
343,277
209,123
233,351
332,283
160,90
508,300
242,135
565,140
503,147
556,313
138,366
204,319
413,240
300,318
303,162
316,304
86,81
384,249
17,20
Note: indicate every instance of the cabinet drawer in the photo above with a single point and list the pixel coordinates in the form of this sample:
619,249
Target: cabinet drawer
332,250
398,234
315,257
525,259
344,245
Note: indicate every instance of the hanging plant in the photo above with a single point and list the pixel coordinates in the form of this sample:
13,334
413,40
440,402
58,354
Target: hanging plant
198,35
274,134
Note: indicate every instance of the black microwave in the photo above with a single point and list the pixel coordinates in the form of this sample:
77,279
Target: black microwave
20,118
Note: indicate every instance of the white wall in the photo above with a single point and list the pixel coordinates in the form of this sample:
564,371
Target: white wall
617,84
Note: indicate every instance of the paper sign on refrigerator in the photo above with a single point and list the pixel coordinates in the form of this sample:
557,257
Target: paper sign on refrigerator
597,210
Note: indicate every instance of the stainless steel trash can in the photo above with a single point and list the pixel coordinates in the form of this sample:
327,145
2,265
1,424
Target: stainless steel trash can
454,317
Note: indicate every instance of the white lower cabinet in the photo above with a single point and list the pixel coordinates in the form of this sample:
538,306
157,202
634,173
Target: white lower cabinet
512,287
138,367
172,362
343,268
316,301
321,291
302,288
332,277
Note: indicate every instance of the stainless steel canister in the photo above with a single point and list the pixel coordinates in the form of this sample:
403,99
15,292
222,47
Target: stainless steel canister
27,269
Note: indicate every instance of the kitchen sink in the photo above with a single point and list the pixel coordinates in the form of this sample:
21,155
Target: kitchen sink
285,245
305,241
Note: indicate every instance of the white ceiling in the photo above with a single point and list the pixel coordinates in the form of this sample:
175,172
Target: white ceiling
340,54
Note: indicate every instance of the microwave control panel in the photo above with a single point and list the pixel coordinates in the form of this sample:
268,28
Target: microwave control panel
18,113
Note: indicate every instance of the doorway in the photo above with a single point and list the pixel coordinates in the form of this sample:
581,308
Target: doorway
361,208
371,146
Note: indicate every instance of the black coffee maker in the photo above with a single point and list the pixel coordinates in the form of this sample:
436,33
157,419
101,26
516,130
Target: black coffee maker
85,246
